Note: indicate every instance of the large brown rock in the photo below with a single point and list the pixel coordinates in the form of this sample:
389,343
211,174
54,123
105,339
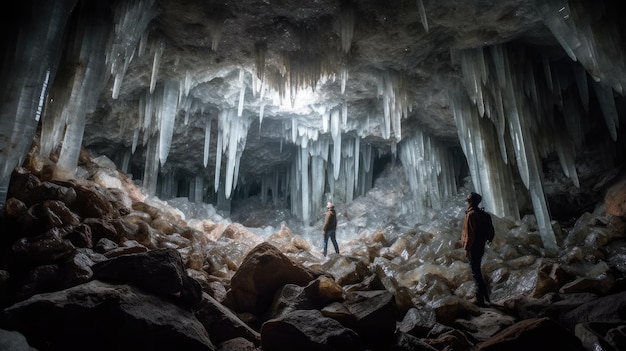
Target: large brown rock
99,316
22,186
222,324
287,242
604,309
101,228
92,202
47,248
307,330
13,341
316,295
615,198
375,315
120,201
46,215
537,334
263,271
418,322
159,271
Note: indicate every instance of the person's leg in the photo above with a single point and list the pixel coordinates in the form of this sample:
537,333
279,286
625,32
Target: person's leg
325,242
334,240
481,288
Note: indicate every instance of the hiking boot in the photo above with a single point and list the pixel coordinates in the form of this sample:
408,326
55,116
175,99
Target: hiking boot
479,300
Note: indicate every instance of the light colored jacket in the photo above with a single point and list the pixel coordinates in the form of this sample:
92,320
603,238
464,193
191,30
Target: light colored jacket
470,225
330,220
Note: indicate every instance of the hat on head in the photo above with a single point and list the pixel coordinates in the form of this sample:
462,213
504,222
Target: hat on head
329,205
474,198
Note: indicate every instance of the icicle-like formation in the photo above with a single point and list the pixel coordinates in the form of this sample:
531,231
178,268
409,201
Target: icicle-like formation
366,172
491,176
260,49
520,99
148,114
216,27
187,83
135,140
87,83
309,174
264,189
336,157
198,189
158,52
304,181
262,103
357,161
318,181
565,150
242,91
232,135
218,157
186,106
607,105
429,169
294,130
207,141
303,70
143,43
335,132
28,73
295,186
126,161
589,32
325,121
347,27
169,110
581,83
344,79
131,21
367,157
420,6
347,153
151,167
394,91
55,115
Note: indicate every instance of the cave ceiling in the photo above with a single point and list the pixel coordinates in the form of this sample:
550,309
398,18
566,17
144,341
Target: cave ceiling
208,43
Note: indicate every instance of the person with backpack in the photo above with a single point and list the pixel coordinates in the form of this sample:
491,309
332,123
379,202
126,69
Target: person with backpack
477,230
330,226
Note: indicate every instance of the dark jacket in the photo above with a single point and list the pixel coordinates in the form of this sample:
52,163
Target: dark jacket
330,221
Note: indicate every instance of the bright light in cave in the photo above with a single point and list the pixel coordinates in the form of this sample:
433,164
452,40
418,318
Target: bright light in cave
302,103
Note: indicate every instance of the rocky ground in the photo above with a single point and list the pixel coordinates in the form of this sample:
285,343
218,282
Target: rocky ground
93,264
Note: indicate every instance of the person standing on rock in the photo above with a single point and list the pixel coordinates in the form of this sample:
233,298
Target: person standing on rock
330,226
473,242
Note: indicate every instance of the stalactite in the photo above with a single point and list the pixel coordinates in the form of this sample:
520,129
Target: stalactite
422,10
159,48
131,21
425,163
22,89
519,98
347,27
589,32
215,26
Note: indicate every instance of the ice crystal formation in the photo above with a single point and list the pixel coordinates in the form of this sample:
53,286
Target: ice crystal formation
297,102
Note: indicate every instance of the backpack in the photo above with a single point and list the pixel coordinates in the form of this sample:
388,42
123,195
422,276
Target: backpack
486,225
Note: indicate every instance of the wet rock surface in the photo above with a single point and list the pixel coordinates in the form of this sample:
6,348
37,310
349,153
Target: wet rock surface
150,281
